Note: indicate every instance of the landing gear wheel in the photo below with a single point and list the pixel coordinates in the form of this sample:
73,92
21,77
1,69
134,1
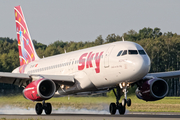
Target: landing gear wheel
112,108
122,109
120,106
128,102
47,108
39,108
123,102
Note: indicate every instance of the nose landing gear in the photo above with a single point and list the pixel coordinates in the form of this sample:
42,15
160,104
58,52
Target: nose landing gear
121,107
44,106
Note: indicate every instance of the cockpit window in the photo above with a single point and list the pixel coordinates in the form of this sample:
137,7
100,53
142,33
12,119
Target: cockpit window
124,53
141,52
119,53
134,52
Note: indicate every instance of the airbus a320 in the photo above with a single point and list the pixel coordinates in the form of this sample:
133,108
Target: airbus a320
114,66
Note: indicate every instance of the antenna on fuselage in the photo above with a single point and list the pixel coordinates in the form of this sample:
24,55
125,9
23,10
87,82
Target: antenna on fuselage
122,38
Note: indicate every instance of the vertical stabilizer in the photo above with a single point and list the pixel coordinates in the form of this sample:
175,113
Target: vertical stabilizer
26,48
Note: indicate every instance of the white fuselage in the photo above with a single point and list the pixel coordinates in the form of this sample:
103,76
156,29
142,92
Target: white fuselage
96,67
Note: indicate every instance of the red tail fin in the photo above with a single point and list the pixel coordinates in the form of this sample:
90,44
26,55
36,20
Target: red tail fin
27,52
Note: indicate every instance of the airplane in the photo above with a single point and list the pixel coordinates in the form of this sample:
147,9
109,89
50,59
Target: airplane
115,66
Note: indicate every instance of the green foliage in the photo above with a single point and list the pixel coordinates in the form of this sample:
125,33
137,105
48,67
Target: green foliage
9,57
162,48
99,40
112,38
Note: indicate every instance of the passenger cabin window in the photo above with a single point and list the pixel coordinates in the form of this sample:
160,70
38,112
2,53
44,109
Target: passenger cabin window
141,52
119,53
132,52
124,53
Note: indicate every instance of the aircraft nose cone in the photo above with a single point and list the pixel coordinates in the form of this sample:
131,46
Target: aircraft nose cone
142,66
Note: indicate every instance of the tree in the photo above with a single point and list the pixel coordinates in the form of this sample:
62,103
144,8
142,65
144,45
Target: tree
50,50
156,32
131,35
112,38
146,33
99,40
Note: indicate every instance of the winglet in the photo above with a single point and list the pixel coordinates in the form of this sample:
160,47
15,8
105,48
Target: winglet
26,48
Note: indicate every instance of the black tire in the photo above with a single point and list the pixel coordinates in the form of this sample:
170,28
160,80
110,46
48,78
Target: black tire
112,108
124,102
128,102
39,108
47,108
122,109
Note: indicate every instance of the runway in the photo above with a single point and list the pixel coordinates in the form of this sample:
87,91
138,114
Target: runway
68,113
131,116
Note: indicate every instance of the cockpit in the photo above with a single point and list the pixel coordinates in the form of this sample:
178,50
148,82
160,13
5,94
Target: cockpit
131,52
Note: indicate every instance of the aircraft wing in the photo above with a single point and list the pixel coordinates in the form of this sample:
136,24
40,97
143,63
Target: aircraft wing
13,78
24,79
61,79
171,74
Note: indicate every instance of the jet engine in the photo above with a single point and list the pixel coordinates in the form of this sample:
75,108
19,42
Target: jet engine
39,90
152,90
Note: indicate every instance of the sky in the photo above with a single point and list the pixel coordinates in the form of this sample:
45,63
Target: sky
84,20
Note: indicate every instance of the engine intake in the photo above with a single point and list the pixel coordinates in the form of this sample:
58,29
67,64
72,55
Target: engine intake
152,90
46,88
39,90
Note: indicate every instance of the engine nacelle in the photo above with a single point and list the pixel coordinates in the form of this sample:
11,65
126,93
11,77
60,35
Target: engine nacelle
152,90
39,90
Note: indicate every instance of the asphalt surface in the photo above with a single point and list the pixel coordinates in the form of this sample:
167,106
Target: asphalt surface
131,116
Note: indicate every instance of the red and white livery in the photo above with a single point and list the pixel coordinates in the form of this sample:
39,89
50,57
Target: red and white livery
114,66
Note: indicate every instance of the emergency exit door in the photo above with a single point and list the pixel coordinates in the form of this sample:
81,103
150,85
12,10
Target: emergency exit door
106,57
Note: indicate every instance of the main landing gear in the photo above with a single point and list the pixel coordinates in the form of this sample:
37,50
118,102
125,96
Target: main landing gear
120,106
44,106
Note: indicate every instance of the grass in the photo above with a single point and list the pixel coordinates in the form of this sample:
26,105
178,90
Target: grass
168,104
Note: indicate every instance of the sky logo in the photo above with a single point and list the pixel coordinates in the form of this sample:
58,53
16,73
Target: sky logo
86,61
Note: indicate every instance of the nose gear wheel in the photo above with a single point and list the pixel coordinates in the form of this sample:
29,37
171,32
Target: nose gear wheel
121,107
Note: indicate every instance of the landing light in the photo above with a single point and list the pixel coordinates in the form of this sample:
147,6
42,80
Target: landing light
62,86
123,85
